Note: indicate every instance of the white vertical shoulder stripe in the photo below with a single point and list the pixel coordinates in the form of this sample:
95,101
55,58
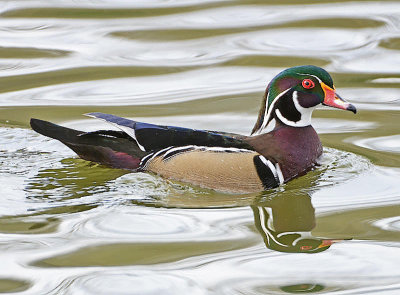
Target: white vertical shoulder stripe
270,166
305,114
279,172
316,77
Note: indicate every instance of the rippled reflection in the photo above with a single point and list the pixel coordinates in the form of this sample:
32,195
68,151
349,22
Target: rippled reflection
135,284
285,223
75,179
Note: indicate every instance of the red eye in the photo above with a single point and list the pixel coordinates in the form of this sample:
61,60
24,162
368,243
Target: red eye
308,83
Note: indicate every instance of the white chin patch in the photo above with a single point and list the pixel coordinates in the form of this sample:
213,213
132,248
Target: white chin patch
305,113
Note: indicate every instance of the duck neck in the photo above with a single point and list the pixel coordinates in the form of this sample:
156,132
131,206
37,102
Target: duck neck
294,149
299,148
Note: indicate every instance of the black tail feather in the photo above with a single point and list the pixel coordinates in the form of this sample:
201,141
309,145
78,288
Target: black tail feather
54,131
108,147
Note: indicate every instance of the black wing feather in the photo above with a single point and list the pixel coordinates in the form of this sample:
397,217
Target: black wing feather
155,137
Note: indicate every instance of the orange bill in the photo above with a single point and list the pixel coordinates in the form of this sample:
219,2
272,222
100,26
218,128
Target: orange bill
332,99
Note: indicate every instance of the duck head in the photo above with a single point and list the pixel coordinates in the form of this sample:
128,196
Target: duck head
293,94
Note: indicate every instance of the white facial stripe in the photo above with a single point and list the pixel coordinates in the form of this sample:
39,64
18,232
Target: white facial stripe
283,119
271,125
305,114
268,112
319,80
304,121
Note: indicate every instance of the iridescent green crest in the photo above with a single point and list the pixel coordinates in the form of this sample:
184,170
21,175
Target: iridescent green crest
289,79
293,76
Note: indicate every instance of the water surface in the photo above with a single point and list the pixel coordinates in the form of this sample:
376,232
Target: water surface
68,226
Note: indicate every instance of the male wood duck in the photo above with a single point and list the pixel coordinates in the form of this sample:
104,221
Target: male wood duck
282,145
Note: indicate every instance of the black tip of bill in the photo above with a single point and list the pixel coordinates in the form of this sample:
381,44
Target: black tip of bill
352,109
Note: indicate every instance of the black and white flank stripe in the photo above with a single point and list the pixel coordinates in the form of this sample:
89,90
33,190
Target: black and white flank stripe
269,174
170,152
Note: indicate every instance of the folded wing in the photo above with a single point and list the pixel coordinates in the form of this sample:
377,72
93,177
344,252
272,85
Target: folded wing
151,137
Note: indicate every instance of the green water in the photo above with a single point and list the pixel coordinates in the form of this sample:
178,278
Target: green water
68,226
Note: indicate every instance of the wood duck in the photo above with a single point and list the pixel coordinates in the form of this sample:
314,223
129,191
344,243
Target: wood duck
282,144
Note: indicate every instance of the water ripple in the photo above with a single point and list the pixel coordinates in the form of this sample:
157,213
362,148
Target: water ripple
140,283
200,64
389,144
319,41
389,224
132,225
170,88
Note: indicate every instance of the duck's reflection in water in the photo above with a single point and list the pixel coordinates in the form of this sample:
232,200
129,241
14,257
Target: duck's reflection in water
285,223
285,218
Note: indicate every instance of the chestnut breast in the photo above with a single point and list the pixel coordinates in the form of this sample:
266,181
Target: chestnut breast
296,149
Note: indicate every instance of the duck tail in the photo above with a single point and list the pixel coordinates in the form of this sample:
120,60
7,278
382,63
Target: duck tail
107,147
